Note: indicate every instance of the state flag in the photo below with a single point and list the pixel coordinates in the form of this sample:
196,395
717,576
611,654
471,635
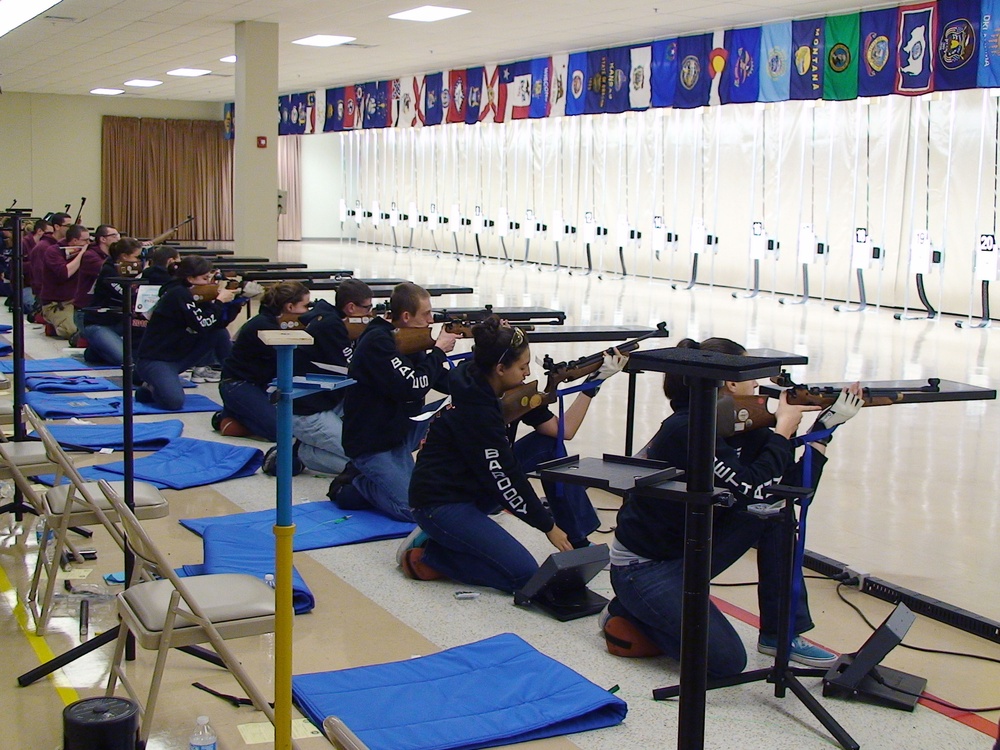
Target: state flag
433,106
333,121
515,78
474,95
494,106
692,71
718,58
775,61
840,74
808,59
416,89
457,95
608,83
296,114
576,99
558,90
878,39
284,114
663,73
917,31
740,82
541,84
311,109
988,75
640,93
957,51
401,114
351,118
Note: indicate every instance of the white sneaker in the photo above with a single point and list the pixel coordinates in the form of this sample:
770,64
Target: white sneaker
416,538
205,375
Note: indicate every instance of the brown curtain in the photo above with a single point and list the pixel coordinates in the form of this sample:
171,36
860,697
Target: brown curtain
155,173
290,179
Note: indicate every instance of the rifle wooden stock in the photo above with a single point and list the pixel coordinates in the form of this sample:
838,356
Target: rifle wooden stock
581,368
413,340
158,239
290,322
209,292
738,414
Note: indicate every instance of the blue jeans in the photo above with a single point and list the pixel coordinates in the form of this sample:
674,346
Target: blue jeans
319,436
384,480
570,505
651,592
468,546
160,375
250,405
104,344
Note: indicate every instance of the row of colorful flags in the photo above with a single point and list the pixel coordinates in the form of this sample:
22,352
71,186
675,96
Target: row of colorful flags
915,49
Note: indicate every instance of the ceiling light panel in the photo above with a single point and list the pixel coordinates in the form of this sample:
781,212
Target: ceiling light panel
323,40
188,72
143,83
428,13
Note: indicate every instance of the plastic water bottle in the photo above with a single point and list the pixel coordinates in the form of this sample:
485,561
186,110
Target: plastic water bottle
204,736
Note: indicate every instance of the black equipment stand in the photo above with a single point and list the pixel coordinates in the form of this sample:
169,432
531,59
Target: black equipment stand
781,674
862,297
984,319
805,289
929,312
17,506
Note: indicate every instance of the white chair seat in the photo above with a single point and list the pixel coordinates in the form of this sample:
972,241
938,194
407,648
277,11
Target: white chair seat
148,499
225,598
26,453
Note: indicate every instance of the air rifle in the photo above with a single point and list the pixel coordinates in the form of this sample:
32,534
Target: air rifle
83,202
518,401
738,414
160,238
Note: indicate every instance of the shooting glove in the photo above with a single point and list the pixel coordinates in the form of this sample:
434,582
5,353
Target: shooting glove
845,407
613,364
252,289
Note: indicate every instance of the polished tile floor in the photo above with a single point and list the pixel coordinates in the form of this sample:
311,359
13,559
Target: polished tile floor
909,496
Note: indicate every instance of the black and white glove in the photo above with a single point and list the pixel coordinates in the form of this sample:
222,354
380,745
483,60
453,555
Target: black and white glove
845,407
612,365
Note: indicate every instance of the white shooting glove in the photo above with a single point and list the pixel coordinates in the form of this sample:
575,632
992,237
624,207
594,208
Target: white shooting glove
252,289
612,365
845,407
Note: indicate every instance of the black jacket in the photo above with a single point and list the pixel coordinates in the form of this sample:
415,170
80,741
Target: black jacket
157,275
745,464
331,346
468,459
390,389
177,322
106,294
251,359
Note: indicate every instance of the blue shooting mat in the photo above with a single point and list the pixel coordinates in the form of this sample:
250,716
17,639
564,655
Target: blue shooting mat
57,364
317,525
69,384
493,692
6,349
182,463
67,405
146,436
235,549
5,328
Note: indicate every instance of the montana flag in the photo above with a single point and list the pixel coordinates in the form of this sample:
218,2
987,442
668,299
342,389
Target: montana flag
693,79
917,32
840,75
541,84
457,95
877,52
608,81
495,101
808,59
559,88
663,73
989,46
576,98
515,78
640,92
775,62
957,40
474,95
740,82
433,112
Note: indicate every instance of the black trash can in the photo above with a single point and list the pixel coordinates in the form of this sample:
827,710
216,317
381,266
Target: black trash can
101,724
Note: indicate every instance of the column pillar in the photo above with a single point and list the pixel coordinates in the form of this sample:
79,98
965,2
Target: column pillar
255,176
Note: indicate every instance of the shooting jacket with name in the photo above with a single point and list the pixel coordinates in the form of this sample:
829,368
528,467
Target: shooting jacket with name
390,389
331,346
745,464
177,323
468,459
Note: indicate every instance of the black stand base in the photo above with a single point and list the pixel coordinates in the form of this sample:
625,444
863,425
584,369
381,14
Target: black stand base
984,320
754,290
882,686
862,297
694,277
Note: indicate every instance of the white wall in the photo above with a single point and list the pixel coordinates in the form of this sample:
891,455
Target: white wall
322,185
891,164
51,146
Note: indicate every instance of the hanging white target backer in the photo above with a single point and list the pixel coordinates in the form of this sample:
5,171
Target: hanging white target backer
411,215
342,207
455,218
376,213
699,237
920,252
393,215
806,254
503,222
558,229
433,218
658,237
530,226
758,241
588,232
861,249
986,258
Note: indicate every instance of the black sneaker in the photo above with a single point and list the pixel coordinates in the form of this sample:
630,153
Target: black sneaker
216,420
270,465
343,479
